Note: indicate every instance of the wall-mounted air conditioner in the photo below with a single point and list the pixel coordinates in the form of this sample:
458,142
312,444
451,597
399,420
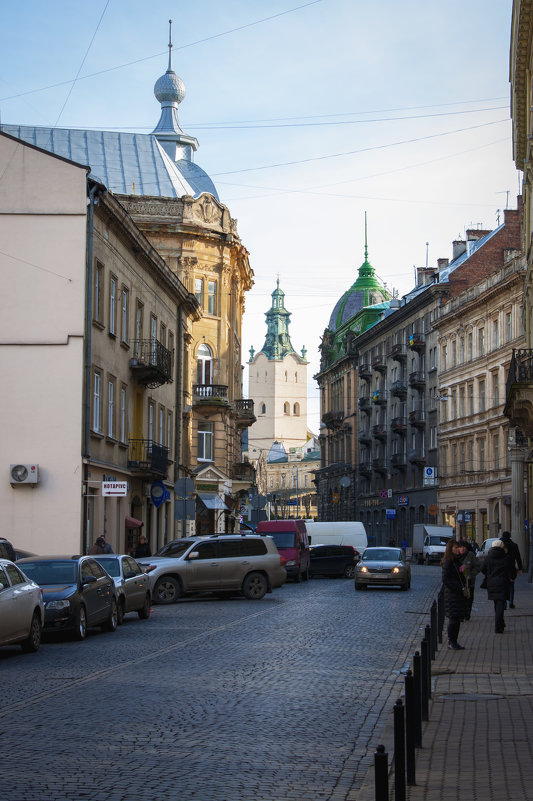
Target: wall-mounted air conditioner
24,473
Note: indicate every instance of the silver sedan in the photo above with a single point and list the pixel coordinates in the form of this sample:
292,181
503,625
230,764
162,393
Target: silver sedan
383,567
21,608
133,586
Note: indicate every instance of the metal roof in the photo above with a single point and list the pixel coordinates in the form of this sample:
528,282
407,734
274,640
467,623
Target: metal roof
127,163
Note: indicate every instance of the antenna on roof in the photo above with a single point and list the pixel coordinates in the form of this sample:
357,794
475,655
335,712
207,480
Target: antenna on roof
427,252
505,192
366,241
170,46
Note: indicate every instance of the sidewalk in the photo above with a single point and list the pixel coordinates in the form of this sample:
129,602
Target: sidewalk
478,742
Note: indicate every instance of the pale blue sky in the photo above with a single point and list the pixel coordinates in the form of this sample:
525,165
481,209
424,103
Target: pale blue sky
331,77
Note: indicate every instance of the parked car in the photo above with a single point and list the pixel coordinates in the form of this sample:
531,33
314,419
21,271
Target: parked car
6,550
22,554
247,564
486,546
78,593
132,584
333,560
383,566
21,608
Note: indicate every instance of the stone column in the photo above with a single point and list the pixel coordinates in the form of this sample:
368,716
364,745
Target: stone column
517,457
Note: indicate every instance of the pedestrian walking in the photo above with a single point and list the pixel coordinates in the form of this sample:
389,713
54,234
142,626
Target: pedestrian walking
98,547
143,548
500,572
514,552
455,592
107,546
472,568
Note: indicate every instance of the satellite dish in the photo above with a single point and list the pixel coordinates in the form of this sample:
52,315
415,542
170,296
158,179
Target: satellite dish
345,481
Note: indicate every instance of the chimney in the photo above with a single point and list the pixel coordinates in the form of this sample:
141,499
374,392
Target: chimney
459,247
424,275
442,263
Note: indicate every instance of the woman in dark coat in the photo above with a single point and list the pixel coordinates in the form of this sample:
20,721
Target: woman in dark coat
500,570
455,592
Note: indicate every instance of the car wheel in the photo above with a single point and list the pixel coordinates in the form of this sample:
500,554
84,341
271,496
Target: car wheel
112,621
254,586
349,571
81,624
33,640
426,560
167,590
144,612
120,612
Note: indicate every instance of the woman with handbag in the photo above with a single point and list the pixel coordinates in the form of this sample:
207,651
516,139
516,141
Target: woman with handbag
456,593
500,571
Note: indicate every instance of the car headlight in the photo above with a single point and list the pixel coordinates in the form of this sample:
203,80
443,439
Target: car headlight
364,570
395,569
57,604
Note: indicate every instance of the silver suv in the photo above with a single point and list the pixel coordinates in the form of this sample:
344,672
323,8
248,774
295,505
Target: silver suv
247,564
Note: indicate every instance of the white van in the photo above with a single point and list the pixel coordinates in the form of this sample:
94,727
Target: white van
342,532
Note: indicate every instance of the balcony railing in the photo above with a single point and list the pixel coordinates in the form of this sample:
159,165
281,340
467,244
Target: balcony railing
399,425
365,403
244,407
243,471
398,460
399,389
364,435
417,456
146,456
398,352
379,431
379,465
379,363
417,341
210,394
418,418
364,371
333,419
151,362
519,390
417,379
379,396
365,467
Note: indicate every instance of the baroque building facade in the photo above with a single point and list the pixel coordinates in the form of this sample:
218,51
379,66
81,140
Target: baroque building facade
175,205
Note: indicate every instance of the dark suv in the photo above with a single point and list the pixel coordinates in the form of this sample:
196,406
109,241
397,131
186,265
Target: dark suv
333,560
247,564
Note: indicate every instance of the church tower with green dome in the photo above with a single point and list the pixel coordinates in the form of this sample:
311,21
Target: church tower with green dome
358,309
278,383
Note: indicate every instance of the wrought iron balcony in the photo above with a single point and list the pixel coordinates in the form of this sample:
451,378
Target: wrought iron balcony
398,352
519,391
417,456
151,363
417,341
417,418
365,467
364,403
364,371
379,363
333,419
398,461
364,436
399,389
379,396
210,395
417,380
243,471
399,425
147,457
379,465
379,431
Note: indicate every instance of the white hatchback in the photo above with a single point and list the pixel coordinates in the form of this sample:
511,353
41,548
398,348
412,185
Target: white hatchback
21,608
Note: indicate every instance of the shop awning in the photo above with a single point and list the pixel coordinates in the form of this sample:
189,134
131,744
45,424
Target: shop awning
212,501
132,522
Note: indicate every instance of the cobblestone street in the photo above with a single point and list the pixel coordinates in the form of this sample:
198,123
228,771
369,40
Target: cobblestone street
217,700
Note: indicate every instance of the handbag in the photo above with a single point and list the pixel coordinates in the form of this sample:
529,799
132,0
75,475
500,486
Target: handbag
466,591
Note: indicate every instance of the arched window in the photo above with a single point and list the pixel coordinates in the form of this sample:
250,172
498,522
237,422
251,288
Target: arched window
296,409
286,408
263,408
204,372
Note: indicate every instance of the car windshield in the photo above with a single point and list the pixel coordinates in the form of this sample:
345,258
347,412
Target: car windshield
57,572
382,555
111,565
438,540
175,549
283,539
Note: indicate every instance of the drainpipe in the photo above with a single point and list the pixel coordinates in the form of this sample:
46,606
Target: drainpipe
94,190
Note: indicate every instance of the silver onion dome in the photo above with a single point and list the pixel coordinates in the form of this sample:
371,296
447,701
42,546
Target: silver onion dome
169,88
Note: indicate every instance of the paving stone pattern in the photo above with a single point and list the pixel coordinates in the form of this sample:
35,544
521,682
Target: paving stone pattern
216,700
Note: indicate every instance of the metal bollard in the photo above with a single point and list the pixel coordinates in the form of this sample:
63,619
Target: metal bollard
399,751
427,636
440,613
424,679
417,697
381,774
434,632
409,728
